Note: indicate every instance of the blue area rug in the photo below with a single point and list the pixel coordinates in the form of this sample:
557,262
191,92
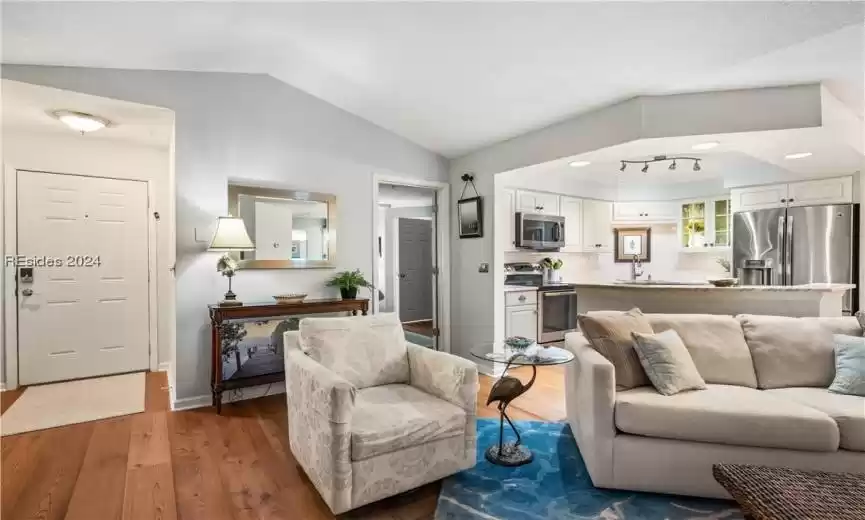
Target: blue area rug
556,485
418,339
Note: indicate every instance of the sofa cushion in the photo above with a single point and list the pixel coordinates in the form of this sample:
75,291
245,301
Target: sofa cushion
847,410
667,362
849,365
726,414
365,350
794,351
716,343
394,417
609,332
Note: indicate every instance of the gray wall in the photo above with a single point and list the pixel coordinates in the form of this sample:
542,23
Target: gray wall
256,129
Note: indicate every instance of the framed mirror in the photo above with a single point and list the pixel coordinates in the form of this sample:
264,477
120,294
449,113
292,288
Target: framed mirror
291,229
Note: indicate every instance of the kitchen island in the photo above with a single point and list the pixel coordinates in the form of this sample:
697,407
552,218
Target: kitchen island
684,298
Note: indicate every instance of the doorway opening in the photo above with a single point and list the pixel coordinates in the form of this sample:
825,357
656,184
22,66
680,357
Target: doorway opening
408,259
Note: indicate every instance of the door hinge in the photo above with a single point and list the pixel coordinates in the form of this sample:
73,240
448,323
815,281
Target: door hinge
436,332
435,271
435,210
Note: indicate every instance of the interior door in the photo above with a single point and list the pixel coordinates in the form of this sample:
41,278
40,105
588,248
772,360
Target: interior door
415,269
85,311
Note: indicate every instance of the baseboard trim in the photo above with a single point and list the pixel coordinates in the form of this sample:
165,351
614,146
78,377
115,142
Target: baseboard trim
165,366
2,387
233,396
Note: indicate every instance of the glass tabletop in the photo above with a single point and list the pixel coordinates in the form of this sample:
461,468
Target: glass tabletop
535,354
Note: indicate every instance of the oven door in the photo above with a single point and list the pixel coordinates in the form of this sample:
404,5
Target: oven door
557,314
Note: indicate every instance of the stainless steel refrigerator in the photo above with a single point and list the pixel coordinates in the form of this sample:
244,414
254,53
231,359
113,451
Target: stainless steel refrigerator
796,246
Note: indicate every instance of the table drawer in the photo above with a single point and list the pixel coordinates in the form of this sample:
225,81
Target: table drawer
521,298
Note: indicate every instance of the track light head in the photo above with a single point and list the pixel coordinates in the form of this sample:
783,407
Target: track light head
673,165
697,165
645,168
622,168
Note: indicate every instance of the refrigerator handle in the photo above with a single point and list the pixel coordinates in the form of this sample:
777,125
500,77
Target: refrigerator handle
781,268
788,252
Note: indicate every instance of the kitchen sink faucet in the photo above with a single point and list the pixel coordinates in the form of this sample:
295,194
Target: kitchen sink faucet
636,268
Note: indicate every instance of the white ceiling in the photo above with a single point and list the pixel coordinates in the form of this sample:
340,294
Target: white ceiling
456,76
27,108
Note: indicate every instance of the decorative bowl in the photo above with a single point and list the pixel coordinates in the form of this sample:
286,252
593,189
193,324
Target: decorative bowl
290,298
724,282
519,342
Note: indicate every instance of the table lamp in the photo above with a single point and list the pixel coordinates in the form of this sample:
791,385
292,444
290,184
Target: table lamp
230,236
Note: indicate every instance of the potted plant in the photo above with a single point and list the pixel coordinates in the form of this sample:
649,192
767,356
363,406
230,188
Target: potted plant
696,229
348,282
552,266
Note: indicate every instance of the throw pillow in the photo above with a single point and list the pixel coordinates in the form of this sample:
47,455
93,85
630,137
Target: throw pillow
609,332
365,350
849,365
860,317
667,362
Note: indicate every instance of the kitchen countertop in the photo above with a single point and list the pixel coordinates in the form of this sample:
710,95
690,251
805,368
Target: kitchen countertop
814,287
519,288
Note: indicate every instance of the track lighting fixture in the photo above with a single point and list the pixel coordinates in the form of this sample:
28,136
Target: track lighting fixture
659,158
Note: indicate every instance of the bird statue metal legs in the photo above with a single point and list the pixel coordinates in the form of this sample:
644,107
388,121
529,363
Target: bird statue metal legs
504,390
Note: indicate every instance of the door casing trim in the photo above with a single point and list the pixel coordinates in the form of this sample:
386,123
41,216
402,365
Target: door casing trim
443,290
10,247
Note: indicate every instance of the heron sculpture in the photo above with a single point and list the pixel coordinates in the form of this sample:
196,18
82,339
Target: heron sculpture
505,390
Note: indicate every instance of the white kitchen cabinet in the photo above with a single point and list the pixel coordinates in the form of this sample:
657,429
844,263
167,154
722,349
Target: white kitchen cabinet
644,211
537,202
837,190
522,320
704,224
597,226
572,209
823,191
505,208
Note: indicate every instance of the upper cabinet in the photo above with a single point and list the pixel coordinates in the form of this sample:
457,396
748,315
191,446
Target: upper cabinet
572,209
822,191
644,211
597,226
704,224
537,202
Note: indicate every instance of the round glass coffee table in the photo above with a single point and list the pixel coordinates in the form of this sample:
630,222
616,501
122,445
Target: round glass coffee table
507,388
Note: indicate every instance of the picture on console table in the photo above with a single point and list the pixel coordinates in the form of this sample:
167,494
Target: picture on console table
255,347
631,242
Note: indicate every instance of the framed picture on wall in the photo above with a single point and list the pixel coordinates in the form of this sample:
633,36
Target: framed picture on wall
470,217
631,242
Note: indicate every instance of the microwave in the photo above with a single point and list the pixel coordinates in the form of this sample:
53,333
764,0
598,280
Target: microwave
539,232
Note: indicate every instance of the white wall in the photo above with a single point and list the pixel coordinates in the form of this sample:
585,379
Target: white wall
255,130
90,155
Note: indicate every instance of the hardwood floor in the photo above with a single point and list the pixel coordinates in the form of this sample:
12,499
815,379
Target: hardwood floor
424,327
194,464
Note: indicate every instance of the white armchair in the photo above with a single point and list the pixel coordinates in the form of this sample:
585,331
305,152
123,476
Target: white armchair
362,444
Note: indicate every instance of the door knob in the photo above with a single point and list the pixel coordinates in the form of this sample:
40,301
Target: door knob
402,275
27,292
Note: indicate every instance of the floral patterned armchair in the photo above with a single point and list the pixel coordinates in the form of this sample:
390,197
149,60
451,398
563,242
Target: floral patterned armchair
371,416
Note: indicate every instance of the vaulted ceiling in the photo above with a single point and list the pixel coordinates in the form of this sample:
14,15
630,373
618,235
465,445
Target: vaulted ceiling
454,77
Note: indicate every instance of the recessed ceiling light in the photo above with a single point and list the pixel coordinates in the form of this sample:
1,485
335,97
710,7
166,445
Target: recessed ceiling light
80,121
705,146
579,164
800,155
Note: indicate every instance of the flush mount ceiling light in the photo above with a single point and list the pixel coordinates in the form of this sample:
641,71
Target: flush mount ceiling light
660,158
81,121
579,164
705,146
800,155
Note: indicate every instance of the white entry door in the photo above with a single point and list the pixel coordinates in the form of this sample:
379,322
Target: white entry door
87,316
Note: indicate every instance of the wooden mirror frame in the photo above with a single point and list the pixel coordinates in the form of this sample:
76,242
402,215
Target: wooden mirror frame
236,190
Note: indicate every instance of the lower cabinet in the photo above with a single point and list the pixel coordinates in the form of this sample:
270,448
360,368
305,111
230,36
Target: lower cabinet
522,320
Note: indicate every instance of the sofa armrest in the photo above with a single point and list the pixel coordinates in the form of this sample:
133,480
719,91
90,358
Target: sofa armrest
445,376
320,405
590,396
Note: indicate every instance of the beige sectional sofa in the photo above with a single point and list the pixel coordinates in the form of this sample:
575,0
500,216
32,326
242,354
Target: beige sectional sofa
766,403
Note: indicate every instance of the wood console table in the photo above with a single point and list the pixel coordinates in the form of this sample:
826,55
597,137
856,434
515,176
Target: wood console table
271,310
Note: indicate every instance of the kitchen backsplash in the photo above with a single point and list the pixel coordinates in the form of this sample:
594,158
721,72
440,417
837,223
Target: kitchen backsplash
668,262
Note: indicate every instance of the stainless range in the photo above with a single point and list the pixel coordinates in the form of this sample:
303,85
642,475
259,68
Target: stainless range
557,302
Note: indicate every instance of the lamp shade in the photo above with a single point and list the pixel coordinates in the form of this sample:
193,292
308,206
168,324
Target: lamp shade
230,235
